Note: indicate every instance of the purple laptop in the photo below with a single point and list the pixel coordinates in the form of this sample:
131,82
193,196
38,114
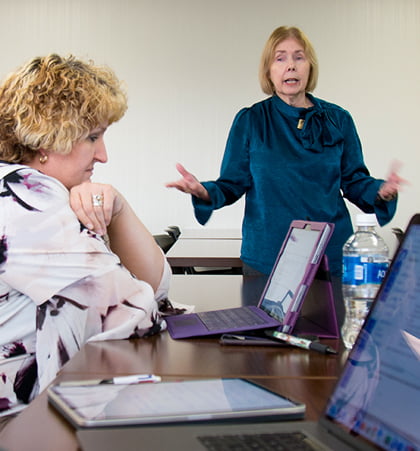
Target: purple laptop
299,274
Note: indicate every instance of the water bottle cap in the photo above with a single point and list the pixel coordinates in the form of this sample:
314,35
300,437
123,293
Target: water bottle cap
366,220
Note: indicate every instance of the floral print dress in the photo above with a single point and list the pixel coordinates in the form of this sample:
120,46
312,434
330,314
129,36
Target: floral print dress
60,286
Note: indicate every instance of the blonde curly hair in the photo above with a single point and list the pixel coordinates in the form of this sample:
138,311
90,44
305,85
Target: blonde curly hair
53,102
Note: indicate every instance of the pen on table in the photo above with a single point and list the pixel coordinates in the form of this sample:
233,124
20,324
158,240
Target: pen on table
241,337
237,339
301,342
121,380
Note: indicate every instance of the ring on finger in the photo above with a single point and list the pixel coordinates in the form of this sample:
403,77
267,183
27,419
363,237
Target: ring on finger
97,200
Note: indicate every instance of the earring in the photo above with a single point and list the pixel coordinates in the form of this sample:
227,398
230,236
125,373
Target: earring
43,159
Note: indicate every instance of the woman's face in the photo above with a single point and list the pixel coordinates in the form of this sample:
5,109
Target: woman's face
289,72
77,166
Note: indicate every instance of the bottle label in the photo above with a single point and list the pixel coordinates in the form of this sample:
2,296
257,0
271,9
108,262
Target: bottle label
363,270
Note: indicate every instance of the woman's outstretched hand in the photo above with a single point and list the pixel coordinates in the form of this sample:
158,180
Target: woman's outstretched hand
189,184
393,183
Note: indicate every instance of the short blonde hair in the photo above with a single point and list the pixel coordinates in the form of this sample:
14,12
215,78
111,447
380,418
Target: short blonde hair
53,102
279,35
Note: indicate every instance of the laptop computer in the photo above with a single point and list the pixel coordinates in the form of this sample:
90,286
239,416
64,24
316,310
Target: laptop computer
300,259
373,406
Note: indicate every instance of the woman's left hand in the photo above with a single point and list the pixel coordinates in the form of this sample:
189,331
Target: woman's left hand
95,204
393,183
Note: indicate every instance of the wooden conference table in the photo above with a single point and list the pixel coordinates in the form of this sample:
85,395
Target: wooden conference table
307,376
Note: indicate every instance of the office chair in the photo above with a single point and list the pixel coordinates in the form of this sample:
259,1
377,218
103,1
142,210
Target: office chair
166,240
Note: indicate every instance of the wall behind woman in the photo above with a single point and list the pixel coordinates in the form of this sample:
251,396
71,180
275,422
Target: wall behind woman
190,65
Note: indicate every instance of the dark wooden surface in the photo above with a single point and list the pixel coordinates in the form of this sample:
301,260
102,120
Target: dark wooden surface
303,375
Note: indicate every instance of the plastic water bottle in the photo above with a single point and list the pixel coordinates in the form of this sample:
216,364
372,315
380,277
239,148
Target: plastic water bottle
365,262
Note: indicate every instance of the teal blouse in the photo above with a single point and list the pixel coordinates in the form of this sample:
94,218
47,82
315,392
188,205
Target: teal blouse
288,172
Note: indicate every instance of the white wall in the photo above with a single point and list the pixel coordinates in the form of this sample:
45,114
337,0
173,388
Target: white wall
190,65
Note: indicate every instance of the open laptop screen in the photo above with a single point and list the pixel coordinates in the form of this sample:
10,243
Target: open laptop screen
288,271
378,395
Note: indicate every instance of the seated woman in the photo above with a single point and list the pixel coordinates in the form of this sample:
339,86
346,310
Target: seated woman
61,283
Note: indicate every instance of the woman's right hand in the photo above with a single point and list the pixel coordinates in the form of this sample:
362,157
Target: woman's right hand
189,184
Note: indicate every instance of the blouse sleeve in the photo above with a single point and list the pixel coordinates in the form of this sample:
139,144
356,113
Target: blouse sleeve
358,186
235,176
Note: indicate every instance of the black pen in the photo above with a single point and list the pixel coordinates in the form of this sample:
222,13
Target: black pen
248,340
301,342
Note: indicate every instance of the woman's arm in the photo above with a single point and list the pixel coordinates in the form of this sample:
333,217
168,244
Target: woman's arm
234,177
135,246
128,237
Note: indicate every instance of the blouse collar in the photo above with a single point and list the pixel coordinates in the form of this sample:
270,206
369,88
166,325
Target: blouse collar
319,129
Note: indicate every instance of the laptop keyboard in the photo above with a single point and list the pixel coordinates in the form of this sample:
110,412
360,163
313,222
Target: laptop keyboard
287,441
230,318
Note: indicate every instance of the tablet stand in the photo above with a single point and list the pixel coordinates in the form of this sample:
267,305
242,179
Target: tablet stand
318,316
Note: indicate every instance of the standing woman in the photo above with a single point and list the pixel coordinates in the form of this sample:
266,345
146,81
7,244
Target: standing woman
61,283
294,156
